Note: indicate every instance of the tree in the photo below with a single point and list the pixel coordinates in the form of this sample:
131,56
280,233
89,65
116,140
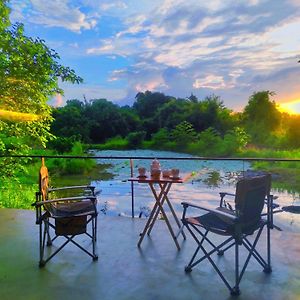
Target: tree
210,112
148,103
261,117
184,133
29,73
107,120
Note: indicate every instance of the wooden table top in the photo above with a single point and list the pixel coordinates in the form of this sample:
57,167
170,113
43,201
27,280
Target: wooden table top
150,179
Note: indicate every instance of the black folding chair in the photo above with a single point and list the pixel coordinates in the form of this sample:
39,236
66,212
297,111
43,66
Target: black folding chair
236,222
64,217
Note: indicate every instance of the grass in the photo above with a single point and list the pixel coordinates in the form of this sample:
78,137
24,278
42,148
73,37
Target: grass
117,143
17,195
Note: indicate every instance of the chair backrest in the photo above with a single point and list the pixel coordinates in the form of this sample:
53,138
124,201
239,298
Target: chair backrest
250,198
44,181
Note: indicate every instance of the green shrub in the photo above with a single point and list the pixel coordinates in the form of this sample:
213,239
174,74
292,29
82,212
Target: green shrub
183,134
135,139
117,143
16,195
160,138
208,144
61,144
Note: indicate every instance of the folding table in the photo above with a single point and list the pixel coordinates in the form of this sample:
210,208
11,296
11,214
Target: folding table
160,188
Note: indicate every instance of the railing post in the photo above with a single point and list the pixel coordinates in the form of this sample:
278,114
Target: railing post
132,189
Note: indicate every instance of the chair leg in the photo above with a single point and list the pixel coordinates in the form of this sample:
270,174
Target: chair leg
49,240
268,268
207,255
42,234
235,291
94,237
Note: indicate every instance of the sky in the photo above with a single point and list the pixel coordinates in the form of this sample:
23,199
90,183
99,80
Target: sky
228,48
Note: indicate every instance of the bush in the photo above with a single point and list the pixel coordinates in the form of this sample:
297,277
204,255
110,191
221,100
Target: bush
117,143
61,144
160,138
135,139
72,165
208,144
183,134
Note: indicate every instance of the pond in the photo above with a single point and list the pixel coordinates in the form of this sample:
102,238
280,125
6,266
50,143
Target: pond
205,180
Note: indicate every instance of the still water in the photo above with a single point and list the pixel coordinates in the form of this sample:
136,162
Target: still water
205,179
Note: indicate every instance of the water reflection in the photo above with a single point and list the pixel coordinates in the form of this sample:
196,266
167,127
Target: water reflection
205,180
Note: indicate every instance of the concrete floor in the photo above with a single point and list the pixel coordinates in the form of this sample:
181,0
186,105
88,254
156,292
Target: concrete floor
123,271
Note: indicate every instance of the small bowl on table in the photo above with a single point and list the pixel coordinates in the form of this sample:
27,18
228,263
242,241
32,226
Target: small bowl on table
166,173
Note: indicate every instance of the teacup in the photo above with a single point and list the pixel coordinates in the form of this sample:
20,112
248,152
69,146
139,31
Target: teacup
166,173
155,173
142,171
175,173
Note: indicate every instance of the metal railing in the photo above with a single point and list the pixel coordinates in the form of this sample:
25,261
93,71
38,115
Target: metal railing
132,158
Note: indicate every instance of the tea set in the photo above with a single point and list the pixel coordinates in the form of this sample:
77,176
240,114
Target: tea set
156,171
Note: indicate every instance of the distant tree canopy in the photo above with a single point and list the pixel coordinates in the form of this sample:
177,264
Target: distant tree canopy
165,119
29,73
261,117
97,120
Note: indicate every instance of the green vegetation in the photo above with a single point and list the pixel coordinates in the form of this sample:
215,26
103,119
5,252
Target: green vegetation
29,74
201,127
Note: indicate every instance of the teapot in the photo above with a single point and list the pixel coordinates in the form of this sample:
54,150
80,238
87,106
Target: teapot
155,165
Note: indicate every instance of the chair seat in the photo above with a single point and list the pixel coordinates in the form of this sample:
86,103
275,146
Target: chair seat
77,208
212,222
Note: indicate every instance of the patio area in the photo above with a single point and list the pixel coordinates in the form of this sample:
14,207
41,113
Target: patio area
123,271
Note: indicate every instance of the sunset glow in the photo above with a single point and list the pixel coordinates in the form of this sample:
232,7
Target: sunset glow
17,116
292,107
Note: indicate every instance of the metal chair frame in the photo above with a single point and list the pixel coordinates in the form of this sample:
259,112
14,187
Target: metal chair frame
46,213
237,238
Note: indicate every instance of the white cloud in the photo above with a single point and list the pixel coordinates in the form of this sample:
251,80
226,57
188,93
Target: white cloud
113,5
210,82
211,5
281,35
151,85
58,13
184,53
176,46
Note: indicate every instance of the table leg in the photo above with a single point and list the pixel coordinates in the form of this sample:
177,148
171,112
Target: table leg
165,216
180,226
154,210
163,195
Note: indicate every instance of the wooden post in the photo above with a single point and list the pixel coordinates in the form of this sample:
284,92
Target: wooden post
132,188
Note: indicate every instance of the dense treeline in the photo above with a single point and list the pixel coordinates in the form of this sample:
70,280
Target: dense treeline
204,127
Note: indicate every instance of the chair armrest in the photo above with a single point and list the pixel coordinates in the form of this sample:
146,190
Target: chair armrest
71,187
79,198
217,212
223,194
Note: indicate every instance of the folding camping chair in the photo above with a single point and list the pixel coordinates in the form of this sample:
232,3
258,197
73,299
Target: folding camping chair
64,217
247,218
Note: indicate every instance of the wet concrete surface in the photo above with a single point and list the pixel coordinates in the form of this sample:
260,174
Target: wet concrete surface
124,271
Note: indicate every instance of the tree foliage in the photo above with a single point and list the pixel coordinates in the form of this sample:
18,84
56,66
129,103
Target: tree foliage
29,73
176,122
261,117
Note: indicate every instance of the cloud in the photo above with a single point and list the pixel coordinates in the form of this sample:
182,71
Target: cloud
56,13
58,100
177,47
113,5
210,81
